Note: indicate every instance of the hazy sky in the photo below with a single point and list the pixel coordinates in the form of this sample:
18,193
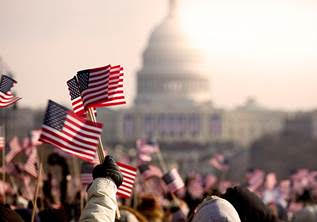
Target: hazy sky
266,49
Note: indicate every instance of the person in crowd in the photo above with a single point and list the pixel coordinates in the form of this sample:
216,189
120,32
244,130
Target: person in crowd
8,215
55,187
127,214
214,209
102,204
309,212
150,207
248,205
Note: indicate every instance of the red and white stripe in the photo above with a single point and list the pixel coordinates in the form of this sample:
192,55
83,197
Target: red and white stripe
35,136
15,148
78,136
86,178
2,142
115,92
78,106
7,99
177,182
103,87
30,165
129,173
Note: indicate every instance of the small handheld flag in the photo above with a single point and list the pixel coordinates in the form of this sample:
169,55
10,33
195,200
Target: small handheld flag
148,171
100,87
77,102
72,134
129,174
6,96
86,173
31,164
173,180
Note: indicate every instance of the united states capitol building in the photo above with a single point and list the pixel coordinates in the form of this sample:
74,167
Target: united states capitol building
173,101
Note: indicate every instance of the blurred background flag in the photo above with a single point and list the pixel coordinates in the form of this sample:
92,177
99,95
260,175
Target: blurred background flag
86,173
173,180
6,96
2,142
218,161
15,148
145,148
72,134
31,165
148,171
129,175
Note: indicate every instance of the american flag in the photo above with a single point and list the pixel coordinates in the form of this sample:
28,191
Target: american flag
173,180
218,162
15,148
72,134
35,136
77,101
101,87
6,96
145,149
75,97
31,164
2,142
86,173
129,174
148,171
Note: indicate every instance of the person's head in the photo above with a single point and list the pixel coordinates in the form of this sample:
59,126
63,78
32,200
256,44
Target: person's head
52,215
149,206
128,214
215,209
306,197
8,215
248,205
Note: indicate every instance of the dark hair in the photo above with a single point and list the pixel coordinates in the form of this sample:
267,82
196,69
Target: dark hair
55,159
248,205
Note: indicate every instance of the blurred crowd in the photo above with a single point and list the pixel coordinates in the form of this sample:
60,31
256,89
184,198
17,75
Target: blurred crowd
62,195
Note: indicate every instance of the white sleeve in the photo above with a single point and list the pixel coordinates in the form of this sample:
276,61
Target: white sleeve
102,202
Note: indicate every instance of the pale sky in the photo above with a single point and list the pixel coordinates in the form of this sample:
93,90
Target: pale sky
266,49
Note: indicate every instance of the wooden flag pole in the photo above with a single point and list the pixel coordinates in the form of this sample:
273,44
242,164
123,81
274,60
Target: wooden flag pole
3,130
91,116
162,162
36,191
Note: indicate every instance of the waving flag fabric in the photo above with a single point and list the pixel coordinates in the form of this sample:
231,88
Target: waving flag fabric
173,180
129,174
31,164
72,134
100,87
6,96
77,101
145,149
148,171
15,148
2,142
86,173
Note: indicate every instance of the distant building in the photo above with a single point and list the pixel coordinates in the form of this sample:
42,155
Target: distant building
173,101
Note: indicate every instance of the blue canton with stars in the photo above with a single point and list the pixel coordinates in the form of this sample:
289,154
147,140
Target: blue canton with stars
6,83
55,115
168,178
73,88
83,79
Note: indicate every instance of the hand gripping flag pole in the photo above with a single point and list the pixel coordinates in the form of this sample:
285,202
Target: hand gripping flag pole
91,116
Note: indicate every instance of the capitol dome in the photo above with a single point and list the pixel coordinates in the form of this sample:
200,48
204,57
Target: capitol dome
173,70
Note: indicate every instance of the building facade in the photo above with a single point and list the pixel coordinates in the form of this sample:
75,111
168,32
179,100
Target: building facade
173,101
